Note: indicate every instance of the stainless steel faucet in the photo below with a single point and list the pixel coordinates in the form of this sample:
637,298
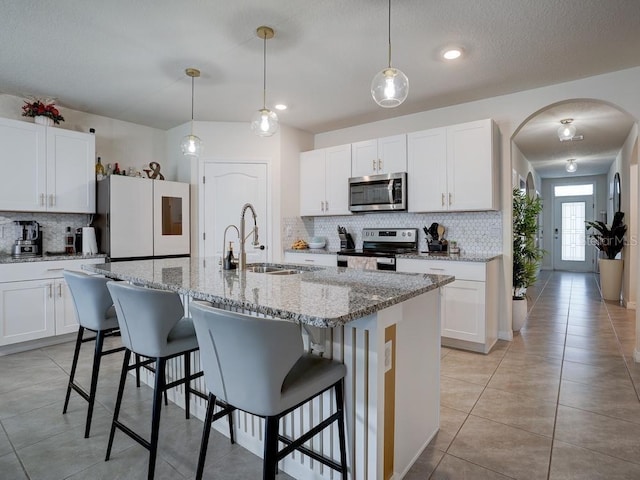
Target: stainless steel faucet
224,242
242,256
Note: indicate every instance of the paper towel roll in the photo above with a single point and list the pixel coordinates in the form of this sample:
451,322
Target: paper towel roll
89,243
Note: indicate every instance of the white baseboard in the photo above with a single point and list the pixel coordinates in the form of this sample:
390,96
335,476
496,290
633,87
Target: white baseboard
506,335
636,355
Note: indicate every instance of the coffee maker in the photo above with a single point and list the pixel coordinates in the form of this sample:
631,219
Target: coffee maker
29,243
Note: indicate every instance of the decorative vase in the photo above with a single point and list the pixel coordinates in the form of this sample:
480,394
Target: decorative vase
42,120
611,278
519,313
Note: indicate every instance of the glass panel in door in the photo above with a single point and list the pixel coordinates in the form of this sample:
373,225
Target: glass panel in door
571,251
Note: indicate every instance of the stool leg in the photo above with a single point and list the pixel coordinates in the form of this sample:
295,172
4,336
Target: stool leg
137,370
97,355
204,443
116,411
155,420
187,384
339,388
74,364
270,448
232,435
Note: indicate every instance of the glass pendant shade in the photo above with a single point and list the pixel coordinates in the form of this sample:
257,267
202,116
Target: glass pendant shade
264,123
571,166
566,132
390,87
191,145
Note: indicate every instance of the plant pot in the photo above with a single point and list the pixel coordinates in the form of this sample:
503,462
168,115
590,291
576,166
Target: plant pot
611,278
42,120
519,313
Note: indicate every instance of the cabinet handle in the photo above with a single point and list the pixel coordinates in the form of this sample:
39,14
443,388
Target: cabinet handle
52,201
42,204
55,269
443,199
322,206
326,206
60,290
450,196
50,291
379,164
309,260
374,164
437,269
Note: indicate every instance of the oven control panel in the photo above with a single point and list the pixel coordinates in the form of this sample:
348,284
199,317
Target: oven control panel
393,235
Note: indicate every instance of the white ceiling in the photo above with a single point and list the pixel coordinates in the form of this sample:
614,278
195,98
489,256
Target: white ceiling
125,59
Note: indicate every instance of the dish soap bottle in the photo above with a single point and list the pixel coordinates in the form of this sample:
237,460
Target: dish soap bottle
229,260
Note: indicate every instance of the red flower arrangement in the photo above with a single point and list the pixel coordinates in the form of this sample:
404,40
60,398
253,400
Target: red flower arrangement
37,108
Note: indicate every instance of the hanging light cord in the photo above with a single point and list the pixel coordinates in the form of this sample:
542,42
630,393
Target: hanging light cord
389,33
192,79
264,70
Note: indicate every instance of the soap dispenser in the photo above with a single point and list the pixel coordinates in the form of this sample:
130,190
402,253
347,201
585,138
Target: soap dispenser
229,260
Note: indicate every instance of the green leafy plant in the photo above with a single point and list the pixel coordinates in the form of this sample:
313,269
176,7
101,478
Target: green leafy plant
608,240
526,254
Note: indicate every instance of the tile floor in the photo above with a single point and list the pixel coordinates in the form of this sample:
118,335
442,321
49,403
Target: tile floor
559,402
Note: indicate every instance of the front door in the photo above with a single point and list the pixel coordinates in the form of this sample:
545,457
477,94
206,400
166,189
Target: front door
227,187
570,249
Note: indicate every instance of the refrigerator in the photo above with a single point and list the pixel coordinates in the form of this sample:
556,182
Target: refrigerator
143,218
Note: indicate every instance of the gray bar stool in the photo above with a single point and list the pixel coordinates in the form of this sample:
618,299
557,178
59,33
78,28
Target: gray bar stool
95,312
258,365
153,325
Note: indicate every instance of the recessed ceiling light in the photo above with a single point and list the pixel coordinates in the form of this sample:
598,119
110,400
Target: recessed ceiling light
280,106
452,53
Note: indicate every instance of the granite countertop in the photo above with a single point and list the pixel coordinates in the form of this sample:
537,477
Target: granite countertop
319,296
7,258
454,257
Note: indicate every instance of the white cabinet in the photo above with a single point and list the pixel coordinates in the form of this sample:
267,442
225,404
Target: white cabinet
378,156
454,168
469,305
35,301
318,259
52,169
324,181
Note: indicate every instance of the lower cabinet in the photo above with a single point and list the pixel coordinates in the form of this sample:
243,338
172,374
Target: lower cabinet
35,301
469,305
320,259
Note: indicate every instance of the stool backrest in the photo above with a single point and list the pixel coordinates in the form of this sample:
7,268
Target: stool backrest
90,297
245,359
146,316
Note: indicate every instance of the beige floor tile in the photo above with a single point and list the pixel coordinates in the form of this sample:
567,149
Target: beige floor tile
450,422
602,343
526,382
584,355
425,465
590,330
459,395
569,462
620,402
542,348
611,376
496,446
469,367
451,468
520,411
606,435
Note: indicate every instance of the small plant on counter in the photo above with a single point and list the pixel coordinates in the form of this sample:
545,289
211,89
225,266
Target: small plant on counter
526,254
608,240
37,108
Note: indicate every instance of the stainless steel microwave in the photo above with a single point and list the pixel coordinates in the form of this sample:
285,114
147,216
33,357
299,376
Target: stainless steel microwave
378,193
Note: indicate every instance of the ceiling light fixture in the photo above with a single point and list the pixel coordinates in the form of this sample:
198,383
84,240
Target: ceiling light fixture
566,131
571,165
390,86
191,145
452,53
264,122
280,106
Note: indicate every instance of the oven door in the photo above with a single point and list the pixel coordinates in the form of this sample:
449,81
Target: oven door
378,193
364,262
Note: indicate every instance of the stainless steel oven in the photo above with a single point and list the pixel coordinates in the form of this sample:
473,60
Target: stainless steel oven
379,248
378,193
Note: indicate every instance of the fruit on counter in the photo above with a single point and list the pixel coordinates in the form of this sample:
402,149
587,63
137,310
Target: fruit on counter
300,245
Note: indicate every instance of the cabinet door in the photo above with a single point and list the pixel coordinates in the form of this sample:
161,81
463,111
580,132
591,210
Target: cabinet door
65,311
392,154
470,166
71,183
171,218
364,158
26,311
312,182
131,230
427,170
23,185
337,174
463,310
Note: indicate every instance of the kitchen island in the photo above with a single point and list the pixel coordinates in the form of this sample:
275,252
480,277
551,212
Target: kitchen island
385,327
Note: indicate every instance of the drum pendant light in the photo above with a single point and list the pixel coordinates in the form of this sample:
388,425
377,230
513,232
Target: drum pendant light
390,86
191,145
265,122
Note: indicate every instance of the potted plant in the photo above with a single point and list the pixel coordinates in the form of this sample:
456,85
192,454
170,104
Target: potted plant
610,241
526,253
44,113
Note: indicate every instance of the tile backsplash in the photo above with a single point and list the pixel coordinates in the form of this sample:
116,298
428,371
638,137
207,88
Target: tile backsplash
475,232
54,227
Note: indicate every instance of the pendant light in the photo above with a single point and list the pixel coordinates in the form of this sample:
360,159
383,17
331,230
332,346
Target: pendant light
566,131
191,145
265,122
571,165
390,86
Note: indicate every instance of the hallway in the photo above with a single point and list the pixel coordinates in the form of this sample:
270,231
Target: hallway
559,402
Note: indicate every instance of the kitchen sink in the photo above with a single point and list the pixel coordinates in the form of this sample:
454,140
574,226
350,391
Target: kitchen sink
272,269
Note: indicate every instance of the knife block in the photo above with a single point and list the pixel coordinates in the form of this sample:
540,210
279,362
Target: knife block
437,247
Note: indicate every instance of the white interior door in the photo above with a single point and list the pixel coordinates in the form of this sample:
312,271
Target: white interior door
570,249
227,187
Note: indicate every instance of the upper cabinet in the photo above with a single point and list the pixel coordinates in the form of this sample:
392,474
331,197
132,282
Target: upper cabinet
324,181
454,168
378,156
51,169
